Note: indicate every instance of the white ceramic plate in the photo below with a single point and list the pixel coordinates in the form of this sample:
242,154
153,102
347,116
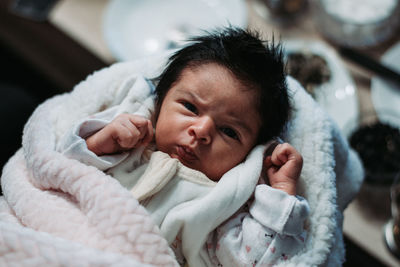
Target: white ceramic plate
385,94
139,28
338,96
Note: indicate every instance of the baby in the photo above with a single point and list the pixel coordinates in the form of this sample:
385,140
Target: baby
217,99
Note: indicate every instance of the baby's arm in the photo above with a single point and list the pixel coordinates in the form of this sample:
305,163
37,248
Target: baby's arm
73,144
125,132
283,168
271,229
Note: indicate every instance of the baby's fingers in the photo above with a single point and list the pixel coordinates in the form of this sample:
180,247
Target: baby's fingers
149,134
127,136
271,171
269,168
137,131
267,162
140,123
146,134
279,156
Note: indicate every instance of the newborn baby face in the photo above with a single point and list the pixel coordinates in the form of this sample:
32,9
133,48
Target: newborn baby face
208,120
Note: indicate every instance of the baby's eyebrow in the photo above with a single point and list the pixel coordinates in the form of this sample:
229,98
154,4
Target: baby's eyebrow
195,97
186,93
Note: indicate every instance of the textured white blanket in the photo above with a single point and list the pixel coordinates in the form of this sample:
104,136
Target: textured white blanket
57,211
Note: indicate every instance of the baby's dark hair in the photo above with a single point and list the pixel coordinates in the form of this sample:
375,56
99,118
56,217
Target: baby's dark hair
257,64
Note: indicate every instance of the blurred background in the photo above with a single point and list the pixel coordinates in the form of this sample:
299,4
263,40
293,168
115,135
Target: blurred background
346,53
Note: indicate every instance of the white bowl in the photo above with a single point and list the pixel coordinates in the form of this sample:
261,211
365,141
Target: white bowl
338,96
136,29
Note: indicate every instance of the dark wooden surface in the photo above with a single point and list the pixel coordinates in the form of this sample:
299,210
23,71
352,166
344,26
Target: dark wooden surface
38,61
59,58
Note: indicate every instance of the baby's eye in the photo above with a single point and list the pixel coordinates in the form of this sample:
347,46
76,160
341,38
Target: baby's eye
190,107
230,132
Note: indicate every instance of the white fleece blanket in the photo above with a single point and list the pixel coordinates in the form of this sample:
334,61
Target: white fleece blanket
57,211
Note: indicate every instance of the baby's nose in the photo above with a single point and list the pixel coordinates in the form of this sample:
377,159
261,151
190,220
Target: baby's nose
202,129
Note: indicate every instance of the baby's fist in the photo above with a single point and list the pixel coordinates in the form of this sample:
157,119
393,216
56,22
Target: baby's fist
283,168
125,132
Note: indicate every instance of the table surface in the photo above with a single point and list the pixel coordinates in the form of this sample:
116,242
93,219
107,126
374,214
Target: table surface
362,224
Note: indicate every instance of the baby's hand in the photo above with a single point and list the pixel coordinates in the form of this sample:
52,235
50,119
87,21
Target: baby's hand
125,132
283,168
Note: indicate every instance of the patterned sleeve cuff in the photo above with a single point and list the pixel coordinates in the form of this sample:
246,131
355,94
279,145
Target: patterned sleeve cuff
279,211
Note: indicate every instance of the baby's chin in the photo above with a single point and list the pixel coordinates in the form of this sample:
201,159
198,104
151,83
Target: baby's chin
214,176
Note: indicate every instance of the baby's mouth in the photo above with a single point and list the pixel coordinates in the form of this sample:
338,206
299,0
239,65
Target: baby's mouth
186,154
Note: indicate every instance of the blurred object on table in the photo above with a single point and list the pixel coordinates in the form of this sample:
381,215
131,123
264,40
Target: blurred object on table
370,64
324,76
309,69
358,23
285,9
384,93
284,12
33,9
392,228
377,142
136,29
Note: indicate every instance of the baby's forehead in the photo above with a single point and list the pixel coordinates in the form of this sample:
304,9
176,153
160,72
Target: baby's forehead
243,81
